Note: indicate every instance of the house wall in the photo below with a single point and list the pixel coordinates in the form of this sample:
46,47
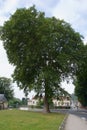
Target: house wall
32,102
65,102
3,105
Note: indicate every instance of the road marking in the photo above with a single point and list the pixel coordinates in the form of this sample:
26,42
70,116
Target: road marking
83,118
84,112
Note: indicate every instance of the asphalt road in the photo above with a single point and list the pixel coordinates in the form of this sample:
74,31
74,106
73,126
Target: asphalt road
80,113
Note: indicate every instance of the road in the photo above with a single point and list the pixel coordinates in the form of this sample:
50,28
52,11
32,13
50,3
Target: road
80,113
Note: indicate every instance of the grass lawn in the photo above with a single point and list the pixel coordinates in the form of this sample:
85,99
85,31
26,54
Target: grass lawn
25,120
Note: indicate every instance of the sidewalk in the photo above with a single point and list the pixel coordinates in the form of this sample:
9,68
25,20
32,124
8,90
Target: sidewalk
75,123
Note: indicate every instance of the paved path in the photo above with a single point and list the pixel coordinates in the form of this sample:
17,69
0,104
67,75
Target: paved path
75,123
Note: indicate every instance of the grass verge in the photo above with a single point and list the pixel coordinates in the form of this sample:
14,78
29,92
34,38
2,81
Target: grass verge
25,120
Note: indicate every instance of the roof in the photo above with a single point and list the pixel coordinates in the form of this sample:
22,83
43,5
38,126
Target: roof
2,98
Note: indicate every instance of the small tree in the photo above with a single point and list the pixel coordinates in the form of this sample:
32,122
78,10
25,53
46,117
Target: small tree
43,50
15,102
6,87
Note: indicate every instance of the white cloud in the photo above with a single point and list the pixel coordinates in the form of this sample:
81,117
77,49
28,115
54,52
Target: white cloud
85,40
2,20
72,11
44,6
6,69
7,8
67,10
17,92
69,87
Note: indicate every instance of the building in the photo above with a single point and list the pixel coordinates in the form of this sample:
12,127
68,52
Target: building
33,102
3,102
62,102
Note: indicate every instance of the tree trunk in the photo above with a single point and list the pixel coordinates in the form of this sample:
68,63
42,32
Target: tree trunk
46,105
46,98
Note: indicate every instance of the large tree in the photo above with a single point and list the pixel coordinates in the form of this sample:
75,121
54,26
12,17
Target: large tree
43,50
6,87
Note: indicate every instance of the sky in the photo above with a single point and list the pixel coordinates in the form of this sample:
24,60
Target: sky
72,11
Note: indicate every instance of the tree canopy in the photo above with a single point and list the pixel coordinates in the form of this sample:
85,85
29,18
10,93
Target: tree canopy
6,87
81,80
43,50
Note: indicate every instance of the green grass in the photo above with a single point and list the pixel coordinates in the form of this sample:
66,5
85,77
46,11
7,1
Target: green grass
25,120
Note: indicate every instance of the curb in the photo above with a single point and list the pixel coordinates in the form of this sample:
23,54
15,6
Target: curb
62,126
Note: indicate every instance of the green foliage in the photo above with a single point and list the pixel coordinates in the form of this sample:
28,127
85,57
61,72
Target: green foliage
24,101
6,87
81,81
40,103
14,103
43,50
